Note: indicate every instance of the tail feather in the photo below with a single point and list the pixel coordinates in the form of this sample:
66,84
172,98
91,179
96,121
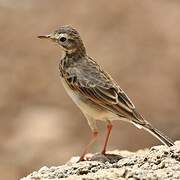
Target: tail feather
163,138
141,122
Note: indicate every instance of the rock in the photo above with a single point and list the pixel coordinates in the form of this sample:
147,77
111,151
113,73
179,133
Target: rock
159,162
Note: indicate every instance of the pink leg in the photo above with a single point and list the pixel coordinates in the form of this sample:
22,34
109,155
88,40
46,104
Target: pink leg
109,128
93,139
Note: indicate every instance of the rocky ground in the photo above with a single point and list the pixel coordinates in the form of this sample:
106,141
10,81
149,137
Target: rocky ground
159,162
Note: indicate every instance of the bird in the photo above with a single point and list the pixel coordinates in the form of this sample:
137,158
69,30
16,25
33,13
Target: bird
93,90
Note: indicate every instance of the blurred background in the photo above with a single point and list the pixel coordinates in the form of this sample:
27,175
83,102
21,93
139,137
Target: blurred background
138,42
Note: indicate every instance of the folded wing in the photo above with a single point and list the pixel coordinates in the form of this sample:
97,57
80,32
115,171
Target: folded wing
99,87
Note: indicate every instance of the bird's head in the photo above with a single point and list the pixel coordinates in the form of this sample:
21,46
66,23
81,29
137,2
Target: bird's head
67,37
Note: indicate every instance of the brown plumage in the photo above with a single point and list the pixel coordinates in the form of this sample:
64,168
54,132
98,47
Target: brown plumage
93,90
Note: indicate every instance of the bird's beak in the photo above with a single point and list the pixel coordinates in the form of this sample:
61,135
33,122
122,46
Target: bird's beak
44,36
51,36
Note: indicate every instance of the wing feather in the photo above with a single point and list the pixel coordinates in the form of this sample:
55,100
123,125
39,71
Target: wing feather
97,86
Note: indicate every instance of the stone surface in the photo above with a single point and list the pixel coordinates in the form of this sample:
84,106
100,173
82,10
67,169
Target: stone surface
159,162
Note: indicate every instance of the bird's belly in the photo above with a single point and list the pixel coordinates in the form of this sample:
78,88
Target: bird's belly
88,107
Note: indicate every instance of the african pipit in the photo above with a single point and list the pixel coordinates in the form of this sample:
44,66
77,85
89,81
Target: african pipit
93,90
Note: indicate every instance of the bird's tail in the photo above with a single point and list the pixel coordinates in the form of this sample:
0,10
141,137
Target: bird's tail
163,138
141,122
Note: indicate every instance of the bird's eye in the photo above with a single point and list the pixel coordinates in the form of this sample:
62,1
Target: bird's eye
62,39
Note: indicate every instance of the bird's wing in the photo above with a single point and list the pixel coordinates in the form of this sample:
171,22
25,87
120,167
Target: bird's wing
96,85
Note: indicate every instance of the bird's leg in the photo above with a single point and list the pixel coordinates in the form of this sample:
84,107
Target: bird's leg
93,139
109,128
